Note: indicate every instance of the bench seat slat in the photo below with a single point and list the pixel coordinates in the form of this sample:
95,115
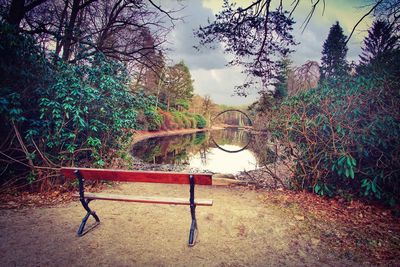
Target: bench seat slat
137,176
147,199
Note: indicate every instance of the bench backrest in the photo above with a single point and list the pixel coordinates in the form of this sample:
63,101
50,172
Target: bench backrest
138,176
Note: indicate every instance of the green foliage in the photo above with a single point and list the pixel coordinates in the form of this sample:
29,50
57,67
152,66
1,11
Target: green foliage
181,119
58,113
200,138
380,51
148,117
87,108
23,66
344,136
142,102
154,118
281,85
24,71
65,113
188,120
183,103
177,87
200,121
191,119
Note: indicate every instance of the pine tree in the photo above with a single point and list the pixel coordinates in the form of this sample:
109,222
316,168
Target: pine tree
281,85
381,40
334,53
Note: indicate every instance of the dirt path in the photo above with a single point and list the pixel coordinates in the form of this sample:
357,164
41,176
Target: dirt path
241,229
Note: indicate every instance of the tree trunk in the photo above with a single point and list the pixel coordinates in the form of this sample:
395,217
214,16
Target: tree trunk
18,9
69,31
59,39
16,13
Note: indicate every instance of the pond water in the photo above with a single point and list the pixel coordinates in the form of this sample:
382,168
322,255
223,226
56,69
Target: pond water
202,150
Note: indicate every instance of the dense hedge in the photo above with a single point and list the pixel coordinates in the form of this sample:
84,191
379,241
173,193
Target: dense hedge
83,111
344,136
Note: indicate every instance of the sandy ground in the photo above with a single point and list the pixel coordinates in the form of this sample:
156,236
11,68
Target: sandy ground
240,229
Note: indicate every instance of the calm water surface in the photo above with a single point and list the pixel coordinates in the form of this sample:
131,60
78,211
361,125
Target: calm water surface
200,150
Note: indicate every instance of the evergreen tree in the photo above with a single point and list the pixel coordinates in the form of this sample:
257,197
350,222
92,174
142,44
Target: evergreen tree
281,85
379,43
334,53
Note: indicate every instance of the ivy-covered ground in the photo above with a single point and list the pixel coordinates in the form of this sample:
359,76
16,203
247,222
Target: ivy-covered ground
244,227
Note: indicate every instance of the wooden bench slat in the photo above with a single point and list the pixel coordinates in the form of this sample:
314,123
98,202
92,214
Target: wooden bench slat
147,199
138,176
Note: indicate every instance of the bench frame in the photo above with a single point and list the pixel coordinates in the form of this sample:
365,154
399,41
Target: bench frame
85,200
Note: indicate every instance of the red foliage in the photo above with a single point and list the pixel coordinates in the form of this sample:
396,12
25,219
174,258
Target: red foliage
168,122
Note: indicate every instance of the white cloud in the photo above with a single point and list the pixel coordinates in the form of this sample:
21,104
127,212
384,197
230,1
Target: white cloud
208,68
219,84
182,39
316,32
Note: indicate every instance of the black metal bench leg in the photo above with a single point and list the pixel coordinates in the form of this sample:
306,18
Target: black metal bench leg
193,227
85,204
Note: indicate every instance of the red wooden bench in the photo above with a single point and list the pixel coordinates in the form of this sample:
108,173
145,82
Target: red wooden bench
191,179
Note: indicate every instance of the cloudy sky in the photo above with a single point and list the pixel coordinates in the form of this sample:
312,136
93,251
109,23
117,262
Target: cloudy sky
208,67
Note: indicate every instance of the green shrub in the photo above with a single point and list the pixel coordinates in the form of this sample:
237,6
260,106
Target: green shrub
79,114
200,121
344,136
154,119
186,121
182,103
86,102
192,120
181,119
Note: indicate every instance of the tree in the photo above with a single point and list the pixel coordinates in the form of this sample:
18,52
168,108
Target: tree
150,77
209,109
125,30
388,10
18,9
304,77
281,85
334,53
64,92
381,40
177,85
255,35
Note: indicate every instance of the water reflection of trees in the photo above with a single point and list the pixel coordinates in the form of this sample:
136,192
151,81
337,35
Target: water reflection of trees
170,149
231,136
179,149
232,117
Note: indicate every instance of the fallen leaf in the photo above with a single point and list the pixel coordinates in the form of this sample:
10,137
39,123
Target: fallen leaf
299,217
315,241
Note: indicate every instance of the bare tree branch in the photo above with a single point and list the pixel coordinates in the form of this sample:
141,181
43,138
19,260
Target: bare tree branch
362,18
